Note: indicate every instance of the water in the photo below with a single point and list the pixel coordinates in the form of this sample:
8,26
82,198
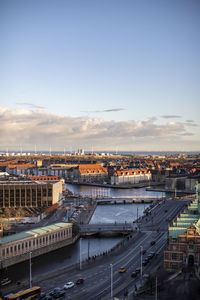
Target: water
110,192
60,258
71,254
117,213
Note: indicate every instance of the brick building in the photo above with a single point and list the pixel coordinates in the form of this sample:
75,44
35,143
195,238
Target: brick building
184,238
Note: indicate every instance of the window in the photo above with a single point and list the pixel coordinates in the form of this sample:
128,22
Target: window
191,246
174,266
174,256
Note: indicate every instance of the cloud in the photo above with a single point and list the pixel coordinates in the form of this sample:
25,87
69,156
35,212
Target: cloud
170,116
104,110
29,127
30,105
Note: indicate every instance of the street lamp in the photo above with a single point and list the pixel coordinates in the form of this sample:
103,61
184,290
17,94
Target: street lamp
141,249
111,281
30,269
80,255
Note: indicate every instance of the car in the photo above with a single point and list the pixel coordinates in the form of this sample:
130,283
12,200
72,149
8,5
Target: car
68,285
122,270
144,251
149,256
134,274
47,297
153,243
55,290
80,281
137,270
42,296
145,262
59,294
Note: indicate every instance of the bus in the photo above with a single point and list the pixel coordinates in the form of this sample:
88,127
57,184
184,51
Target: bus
30,293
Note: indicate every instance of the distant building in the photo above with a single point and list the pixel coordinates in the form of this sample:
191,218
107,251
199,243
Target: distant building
184,239
89,173
19,169
130,176
29,194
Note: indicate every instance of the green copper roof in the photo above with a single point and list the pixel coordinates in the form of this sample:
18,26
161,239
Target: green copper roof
33,232
191,216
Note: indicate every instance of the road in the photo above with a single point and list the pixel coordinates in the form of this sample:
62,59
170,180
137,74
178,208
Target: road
97,274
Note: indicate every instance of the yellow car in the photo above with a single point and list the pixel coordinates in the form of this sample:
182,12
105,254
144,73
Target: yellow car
122,270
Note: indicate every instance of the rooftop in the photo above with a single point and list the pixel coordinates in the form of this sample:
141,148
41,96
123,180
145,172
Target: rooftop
34,232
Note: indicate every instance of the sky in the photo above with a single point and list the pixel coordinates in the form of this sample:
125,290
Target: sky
100,75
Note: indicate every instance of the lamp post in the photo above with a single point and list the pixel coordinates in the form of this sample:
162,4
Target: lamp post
141,249
30,269
156,292
88,248
111,281
80,255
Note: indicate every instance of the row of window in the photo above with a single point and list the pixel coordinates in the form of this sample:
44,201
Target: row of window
25,246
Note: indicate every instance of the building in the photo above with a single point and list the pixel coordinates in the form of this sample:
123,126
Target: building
17,247
184,238
89,173
29,194
19,169
48,179
130,176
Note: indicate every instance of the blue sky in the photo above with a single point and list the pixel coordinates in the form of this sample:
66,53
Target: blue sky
102,74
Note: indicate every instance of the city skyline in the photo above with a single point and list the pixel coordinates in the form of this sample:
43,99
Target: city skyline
106,75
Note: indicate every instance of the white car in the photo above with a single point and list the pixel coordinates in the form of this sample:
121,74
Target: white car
68,285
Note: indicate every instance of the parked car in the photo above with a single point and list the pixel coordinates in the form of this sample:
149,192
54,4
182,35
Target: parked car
68,285
80,281
122,270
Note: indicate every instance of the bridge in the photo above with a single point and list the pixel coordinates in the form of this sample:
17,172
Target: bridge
124,228
129,200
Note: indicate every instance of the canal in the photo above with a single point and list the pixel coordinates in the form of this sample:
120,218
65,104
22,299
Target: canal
92,246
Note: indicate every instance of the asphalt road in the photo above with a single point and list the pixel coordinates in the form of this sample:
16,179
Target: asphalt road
97,274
